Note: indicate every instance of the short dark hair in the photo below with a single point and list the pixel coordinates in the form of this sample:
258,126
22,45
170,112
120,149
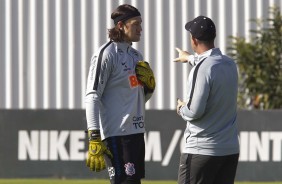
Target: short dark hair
206,42
121,13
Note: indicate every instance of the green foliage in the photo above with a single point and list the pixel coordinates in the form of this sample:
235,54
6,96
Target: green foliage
260,64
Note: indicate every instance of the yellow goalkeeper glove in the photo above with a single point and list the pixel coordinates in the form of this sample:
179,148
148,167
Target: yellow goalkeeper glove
95,160
145,76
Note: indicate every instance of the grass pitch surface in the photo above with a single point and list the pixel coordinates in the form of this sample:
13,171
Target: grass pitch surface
95,181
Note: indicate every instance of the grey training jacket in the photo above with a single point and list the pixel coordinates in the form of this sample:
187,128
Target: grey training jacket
115,101
211,119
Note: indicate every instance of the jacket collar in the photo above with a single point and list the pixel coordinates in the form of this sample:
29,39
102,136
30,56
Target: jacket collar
206,54
124,46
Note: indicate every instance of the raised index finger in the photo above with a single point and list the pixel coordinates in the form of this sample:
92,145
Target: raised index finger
178,49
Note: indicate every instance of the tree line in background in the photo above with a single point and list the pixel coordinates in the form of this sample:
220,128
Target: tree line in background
260,64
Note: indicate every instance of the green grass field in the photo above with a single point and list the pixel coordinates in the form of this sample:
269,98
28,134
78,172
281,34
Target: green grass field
74,181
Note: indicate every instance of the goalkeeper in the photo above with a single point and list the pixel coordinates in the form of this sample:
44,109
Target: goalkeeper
118,86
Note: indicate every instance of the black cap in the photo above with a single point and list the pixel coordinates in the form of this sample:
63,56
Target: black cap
202,28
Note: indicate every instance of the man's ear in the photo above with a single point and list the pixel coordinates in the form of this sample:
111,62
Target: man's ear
120,25
195,41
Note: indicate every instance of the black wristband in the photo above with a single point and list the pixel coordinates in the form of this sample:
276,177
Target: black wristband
94,134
